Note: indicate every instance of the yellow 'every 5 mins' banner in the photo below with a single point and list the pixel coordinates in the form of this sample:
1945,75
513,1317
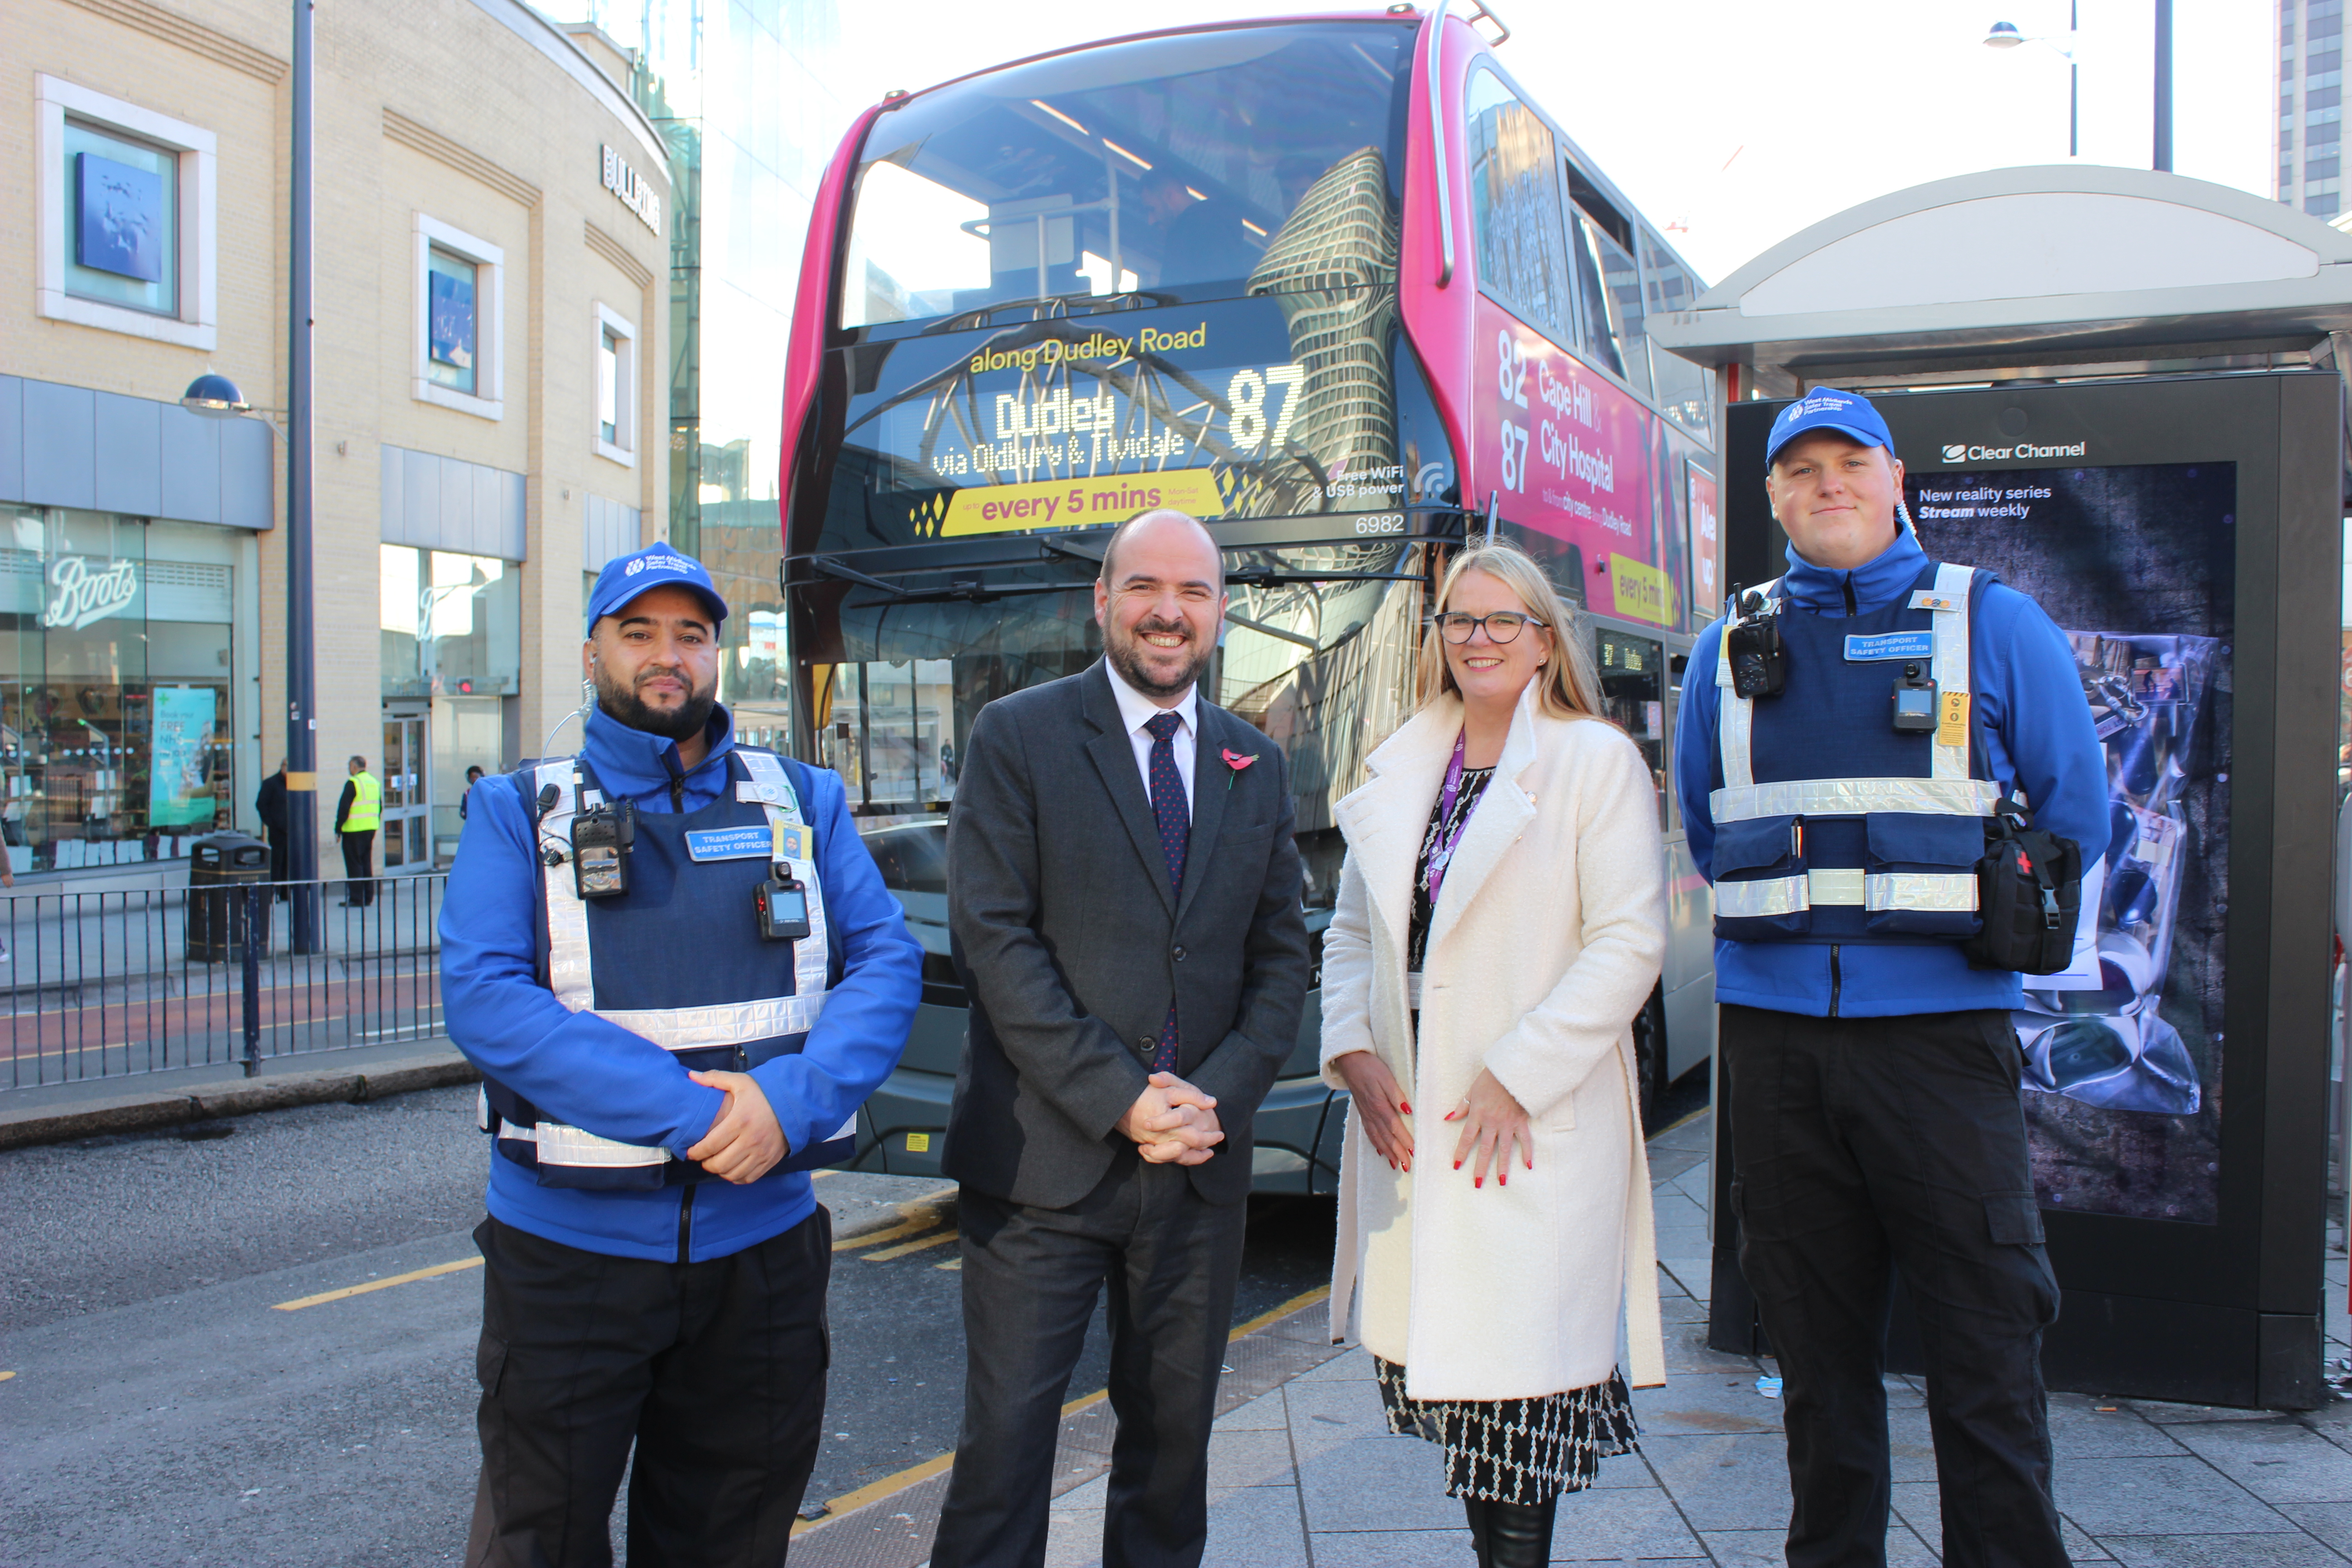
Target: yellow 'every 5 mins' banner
1079,504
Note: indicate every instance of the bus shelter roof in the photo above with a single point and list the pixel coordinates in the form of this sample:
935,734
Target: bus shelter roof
2034,272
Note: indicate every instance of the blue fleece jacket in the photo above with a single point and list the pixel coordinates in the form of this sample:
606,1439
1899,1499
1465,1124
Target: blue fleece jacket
2039,741
591,1074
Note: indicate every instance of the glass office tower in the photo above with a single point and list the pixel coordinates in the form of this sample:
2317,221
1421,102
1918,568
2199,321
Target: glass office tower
741,92
2311,98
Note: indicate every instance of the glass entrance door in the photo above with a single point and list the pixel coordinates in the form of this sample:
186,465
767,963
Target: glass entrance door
408,794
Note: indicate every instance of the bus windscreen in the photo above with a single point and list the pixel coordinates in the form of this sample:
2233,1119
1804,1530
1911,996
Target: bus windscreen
1164,167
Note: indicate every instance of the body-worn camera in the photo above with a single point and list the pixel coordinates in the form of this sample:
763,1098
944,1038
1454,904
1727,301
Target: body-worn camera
601,837
1915,702
783,903
1760,660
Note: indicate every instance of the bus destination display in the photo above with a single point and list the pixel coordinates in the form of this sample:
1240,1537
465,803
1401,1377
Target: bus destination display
1059,425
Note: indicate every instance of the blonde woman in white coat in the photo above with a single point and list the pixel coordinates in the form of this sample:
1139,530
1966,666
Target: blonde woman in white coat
1500,921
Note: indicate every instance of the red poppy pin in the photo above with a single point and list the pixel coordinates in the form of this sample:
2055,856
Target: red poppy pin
1234,764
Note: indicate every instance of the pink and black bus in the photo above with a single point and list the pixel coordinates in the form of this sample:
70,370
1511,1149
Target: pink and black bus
1339,287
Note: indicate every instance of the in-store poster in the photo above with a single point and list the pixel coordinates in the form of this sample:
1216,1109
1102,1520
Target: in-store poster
179,794
2137,566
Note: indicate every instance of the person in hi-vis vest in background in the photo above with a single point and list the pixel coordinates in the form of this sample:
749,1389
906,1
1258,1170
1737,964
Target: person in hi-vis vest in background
357,817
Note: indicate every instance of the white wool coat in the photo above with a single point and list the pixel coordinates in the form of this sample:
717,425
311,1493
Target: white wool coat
1546,941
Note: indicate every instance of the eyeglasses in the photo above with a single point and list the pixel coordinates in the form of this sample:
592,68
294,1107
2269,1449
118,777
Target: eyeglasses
1502,626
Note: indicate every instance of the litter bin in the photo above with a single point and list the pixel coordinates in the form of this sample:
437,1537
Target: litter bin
216,913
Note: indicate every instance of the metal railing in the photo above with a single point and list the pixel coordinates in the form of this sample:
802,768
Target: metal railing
102,984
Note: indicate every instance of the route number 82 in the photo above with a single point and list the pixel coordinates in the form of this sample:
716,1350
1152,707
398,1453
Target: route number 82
1511,380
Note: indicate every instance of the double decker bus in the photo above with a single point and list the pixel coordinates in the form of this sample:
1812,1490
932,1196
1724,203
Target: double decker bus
1335,285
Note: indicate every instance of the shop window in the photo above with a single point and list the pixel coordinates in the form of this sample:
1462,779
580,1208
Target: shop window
115,682
450,623
127,231
451,630
1515,207
459,291
616,388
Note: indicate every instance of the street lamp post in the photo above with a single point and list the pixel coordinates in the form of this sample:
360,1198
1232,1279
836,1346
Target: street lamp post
2005,36
218,397
2164,85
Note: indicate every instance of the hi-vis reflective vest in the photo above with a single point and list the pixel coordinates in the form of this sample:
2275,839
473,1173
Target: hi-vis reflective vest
1831,826
678,959
367,803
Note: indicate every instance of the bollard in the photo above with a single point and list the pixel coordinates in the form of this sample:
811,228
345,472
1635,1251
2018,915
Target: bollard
257,936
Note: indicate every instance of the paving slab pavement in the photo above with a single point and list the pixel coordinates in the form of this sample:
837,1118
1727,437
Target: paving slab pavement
1307,1474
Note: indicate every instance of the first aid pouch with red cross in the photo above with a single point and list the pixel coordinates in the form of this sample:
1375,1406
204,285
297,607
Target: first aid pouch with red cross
2029,895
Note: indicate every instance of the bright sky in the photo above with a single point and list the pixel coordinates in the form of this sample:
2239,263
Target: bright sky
1736,124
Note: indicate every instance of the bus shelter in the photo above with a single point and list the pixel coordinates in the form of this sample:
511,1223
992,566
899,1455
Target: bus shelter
2123,391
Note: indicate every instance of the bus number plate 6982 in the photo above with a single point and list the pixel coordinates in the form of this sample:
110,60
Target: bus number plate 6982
1380,523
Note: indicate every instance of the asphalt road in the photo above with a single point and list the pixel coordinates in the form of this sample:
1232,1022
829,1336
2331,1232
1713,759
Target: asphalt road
162,1412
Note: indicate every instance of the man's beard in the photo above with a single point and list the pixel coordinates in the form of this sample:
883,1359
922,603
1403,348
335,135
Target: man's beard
1124,650
680,724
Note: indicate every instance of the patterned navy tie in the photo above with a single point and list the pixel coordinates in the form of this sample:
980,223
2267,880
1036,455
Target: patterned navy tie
1175,816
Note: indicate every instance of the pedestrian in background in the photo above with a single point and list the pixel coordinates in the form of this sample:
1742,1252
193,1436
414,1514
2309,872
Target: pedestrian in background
1123,902
1500,921
358,813
269,805
473,777
1871,1075
674,1023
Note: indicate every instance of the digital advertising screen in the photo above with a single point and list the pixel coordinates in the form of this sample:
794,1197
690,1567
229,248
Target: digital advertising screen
2123,1064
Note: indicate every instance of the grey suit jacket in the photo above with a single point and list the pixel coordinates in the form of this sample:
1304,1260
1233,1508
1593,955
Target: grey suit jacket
1069,945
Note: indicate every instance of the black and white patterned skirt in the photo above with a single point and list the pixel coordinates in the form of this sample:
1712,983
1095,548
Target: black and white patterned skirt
1517,1450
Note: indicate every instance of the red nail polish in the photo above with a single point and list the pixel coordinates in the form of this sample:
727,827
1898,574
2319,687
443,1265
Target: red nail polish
1407,1107
1478,1181
1457,1165
1503,1178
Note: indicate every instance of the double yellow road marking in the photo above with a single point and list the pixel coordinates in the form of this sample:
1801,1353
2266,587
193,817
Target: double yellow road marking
919,1228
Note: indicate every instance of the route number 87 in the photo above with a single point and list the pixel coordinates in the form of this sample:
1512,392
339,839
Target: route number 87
1515,456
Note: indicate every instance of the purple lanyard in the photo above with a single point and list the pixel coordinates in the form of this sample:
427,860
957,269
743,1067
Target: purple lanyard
1449,832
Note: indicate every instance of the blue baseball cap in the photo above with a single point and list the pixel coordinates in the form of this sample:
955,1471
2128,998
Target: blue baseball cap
655,566
1826,409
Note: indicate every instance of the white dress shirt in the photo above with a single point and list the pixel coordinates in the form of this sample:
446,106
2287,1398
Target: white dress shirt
1135,711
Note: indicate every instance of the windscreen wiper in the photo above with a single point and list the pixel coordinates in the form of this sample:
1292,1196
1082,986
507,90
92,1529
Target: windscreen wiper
824,566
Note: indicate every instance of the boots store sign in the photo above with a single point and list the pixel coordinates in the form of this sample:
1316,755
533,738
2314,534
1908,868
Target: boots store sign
82,592
637,193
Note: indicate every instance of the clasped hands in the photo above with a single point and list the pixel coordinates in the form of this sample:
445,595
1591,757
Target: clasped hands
1172,1122
745,1143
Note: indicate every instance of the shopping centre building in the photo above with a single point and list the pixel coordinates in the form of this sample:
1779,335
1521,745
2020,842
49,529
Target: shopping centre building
492,329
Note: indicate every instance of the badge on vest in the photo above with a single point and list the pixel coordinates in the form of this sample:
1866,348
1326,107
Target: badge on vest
1929,599
748,843
1890,646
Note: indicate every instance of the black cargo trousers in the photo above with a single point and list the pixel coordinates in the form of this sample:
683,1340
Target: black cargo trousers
713,1372
1860,1147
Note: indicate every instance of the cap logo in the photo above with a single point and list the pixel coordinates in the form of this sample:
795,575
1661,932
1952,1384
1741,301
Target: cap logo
633,568
1816,404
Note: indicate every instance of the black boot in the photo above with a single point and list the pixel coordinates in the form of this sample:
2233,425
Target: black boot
1519,1534
1474,1510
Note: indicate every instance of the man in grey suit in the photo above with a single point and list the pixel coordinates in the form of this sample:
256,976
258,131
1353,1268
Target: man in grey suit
1124,900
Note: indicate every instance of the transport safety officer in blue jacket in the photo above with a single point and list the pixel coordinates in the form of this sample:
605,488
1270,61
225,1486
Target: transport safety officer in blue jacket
1872,1075
681,975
